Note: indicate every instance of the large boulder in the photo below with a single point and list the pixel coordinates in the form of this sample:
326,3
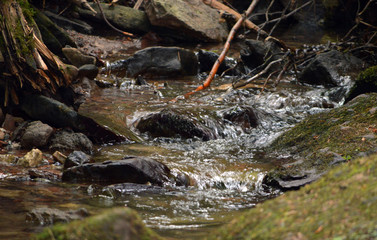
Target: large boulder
162,61
59,115
125,18
331,69
115,224
36,134
131,169
170,124
189,20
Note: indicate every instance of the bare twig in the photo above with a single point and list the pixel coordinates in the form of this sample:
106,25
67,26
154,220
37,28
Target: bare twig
138,4
108,23
221,58
248,23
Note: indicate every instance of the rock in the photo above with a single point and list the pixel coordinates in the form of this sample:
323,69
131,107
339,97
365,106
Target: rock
190,20
170,124
47,216
31,159
331,69
72,71
207,59
115,224
125,18
53,36
36,134
59,157
76,158
3,134
68,141
133,170
77,58
289,182
162,61
59,115
366,82
242,116
88,70
256,53
69,24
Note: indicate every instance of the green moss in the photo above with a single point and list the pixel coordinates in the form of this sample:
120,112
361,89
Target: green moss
341,205
365,82
347,131
117,223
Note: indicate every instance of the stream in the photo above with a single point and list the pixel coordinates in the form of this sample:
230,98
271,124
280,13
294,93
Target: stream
226,173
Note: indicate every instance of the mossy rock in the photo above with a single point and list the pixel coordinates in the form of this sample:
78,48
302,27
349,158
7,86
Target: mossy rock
117,223
341,205
325,139
366,82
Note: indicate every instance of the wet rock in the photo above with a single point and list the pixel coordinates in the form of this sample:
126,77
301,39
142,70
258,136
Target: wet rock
76,158
187,20
183,179
59,157
88,70
125,18
31,159
331,69
133,169
45,174
257,53
207,59
366,82
115,224
162,61
69,24
72,71
77,58
68,141
36,134
170,124
59,115
242,116
289,182
47,216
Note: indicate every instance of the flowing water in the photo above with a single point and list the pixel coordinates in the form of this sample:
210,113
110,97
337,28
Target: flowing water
226,173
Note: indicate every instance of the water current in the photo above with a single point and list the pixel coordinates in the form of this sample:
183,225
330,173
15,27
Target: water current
226,172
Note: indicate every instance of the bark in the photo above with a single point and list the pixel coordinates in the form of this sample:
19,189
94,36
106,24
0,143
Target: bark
27,64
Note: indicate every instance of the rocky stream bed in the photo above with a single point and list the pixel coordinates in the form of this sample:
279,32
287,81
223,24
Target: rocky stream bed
292,160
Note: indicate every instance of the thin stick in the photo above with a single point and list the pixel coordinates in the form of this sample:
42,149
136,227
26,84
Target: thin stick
248,23
108,23
221,58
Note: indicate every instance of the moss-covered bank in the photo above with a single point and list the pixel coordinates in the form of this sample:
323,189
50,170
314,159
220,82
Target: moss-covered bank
341,205
117,223
325,139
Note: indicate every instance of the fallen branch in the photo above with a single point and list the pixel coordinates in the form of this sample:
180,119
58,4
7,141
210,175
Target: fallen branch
110,25
248,23
221,58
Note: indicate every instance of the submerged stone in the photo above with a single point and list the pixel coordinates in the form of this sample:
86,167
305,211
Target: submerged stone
48,216
132,170
69,141
114,224
242,116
